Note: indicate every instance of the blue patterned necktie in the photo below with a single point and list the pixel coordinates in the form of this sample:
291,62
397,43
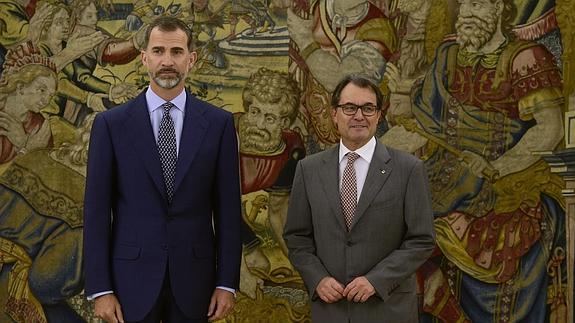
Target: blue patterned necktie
348,190
167,149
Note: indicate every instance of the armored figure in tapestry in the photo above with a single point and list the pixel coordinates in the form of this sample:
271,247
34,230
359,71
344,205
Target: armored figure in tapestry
486,106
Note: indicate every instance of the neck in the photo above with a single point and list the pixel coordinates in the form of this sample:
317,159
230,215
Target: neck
55,45
353,146
167,94
494,43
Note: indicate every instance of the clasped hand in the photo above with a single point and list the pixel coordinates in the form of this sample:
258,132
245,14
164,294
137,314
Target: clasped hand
358,290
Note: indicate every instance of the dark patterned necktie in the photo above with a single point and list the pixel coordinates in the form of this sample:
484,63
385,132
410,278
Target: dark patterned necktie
167,149
348,191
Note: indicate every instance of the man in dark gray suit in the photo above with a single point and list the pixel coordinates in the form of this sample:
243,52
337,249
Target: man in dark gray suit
359,221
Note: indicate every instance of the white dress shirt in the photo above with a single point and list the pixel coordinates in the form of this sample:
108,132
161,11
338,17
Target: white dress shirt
361,165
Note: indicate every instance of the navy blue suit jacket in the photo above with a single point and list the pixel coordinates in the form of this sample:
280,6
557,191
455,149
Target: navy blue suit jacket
131,233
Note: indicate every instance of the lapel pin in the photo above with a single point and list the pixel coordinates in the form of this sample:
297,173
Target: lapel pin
383,171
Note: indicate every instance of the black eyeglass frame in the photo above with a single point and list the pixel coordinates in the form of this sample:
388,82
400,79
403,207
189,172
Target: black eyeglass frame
350,109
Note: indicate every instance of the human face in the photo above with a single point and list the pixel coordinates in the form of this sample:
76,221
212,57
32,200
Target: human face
36,94
168,61
89,16
60,25
261,127
356,130
476,23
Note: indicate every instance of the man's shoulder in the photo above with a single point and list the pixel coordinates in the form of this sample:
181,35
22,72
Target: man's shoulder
120,111
528,56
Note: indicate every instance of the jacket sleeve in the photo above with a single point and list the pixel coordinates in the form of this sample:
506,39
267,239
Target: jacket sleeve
299,234
419,238
101,172
227,209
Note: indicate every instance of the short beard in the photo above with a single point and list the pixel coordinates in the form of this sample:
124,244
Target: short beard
477,37
255,139
167,82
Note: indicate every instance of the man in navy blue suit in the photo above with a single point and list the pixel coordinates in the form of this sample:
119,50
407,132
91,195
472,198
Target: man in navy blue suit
162,202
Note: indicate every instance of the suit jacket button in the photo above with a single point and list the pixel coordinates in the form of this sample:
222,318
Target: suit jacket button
164,247
349,243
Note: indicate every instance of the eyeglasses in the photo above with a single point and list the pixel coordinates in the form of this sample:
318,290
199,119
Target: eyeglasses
350,109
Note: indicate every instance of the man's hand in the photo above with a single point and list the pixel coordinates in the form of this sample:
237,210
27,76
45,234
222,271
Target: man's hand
329,290
221,304
122,92
13,130
41,138
95,101
76,47
108,308
359,290
476,163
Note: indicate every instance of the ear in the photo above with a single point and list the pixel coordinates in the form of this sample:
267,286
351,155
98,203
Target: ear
285,123
144,58
381,117
193,58
333,113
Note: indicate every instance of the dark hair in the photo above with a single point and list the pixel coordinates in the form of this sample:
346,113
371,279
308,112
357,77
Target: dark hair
357,80
169,24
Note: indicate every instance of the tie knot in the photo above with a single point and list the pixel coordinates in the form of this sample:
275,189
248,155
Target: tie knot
167,106
352,157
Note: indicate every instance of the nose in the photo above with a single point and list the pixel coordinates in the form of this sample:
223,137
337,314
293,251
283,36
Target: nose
358,114
167,59
260,121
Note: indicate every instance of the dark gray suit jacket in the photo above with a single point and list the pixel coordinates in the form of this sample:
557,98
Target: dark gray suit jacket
391,234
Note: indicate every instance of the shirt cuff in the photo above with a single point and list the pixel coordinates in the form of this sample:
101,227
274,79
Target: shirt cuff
96,295
231,290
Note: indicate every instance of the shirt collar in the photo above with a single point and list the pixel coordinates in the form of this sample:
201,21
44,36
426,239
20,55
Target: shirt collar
366,151
155,102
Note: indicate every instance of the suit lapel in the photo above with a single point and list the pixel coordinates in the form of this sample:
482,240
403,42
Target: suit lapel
141,135
193,132
329,174
379,170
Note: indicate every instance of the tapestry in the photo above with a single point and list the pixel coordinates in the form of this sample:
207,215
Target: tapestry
479,119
